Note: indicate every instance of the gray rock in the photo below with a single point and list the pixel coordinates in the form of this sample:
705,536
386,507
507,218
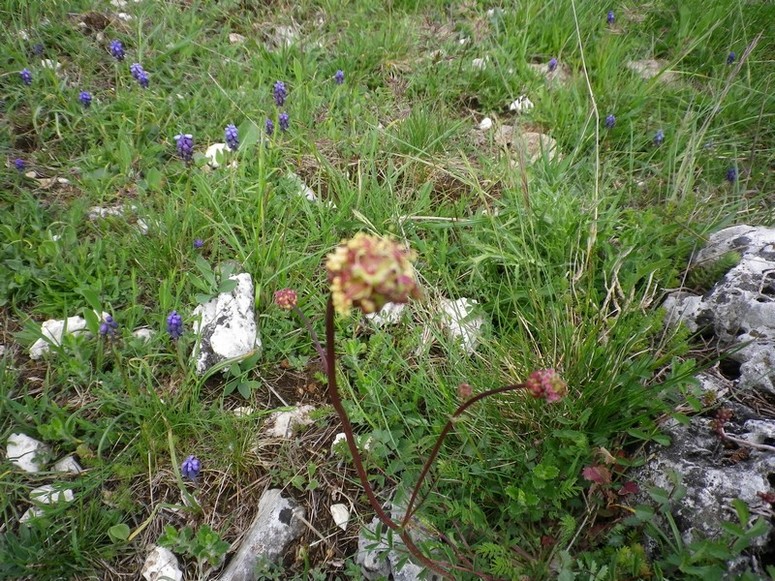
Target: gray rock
27,453
278,523
161,565
227,326
54,329
647,69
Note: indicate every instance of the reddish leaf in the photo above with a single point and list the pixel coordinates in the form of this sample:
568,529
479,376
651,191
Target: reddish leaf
629,487
597,474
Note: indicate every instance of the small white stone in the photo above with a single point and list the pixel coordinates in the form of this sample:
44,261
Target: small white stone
479,64
118,3
54,329
48,494
521,104
286,422
484,124
214,152
124,16
303,189
390,314
341,515
50,64
26,453
243,412
161,565
340,437
457,319
96,212
24,35
144,333
30,513
235,38
464,40
142,226
56,237
68,465
2,350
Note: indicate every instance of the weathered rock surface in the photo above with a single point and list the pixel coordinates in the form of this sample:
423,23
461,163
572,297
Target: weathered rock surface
649,68
284,423
27,453
161,565
459,321
228,325
54,329
277,524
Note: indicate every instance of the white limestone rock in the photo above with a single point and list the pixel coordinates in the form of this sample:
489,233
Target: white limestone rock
647,69
278,523
49,494
27,453
144,333
54,329
341,515
286,422
161,565
67,465
389,314
521,104
479,64
216,153
235,38
459,321
227,325
485,124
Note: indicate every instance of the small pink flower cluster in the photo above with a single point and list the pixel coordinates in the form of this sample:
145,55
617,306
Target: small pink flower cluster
546,384
285,299
367,271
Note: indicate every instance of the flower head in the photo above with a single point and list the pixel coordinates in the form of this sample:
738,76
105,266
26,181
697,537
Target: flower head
339,77
19,164
286,299
232,136
546,384
174,325
610,121
185,145
280,93
552,65
138,72
26,76
108,327
464,391
198,243
732,174
610,17
285,121
368,271
85,98
191,467
731,57
269,125
659,137
116,49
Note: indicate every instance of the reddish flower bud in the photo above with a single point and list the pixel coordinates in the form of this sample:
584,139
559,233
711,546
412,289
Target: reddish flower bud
285,299
546,384
464,391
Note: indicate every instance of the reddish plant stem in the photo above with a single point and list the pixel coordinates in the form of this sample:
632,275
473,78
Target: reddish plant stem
440,440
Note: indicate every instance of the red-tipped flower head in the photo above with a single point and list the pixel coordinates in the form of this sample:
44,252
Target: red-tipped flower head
546,384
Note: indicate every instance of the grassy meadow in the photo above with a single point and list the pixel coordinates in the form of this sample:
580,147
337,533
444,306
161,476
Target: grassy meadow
568,257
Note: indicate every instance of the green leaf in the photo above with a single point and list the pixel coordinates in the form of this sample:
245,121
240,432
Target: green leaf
227,285
244,389
546,472
92,298
119,533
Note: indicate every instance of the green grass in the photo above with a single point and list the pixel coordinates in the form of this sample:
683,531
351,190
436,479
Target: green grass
568,260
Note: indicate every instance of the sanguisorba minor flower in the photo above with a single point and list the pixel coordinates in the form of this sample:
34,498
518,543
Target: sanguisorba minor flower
280,93
116,49
286,299
85,98
191,467
232,136
285,121
546,384
185,146
610,121
339,77
368,271
26,76
269,126
174,325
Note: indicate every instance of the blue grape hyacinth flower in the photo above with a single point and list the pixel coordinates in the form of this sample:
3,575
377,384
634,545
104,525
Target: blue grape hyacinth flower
731,57
732,174
174,325
232,136
85,98
285,121
610,17
26,76
185,146
659,137
280,93
191,467
269,126
19,164
116,49
339,77
610,121
552,65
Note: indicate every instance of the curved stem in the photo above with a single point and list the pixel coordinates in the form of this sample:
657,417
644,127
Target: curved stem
313,336
440,440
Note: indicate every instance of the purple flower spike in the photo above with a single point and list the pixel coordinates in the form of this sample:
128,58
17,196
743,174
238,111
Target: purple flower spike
139,74
38,49
280,93
732,175
185,145
232,137
731,57
339,77
198,243
269,125
191,467
116,49
552,65
85,98
19,164
285,121
610,17
174,325
610,121
108,327
659,137
26,76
